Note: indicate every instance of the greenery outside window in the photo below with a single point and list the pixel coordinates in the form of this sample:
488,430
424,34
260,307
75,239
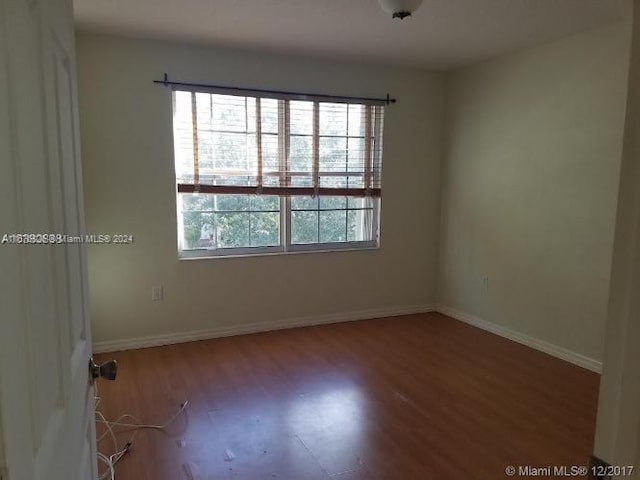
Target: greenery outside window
259,175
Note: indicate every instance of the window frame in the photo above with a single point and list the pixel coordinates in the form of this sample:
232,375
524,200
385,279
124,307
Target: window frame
286,246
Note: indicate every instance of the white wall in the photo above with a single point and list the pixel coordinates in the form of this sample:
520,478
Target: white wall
129,188
618,426
533,146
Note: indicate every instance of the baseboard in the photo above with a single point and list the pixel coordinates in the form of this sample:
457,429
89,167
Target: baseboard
217,332
541,345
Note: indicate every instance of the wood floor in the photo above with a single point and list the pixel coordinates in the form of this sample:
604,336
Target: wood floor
414,397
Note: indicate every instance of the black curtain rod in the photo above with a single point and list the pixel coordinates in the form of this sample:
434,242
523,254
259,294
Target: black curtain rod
301,96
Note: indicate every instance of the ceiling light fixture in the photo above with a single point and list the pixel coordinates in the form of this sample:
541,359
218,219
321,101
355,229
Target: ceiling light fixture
400,8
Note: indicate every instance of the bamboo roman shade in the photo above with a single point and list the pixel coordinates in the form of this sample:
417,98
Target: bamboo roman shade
276,145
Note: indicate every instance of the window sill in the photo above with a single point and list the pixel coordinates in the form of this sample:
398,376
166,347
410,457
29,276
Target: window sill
299,249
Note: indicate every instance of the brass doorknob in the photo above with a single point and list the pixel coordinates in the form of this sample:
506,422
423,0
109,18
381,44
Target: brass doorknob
108,370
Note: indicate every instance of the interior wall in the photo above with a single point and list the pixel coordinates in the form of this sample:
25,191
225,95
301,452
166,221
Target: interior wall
126,124
618,426
533,147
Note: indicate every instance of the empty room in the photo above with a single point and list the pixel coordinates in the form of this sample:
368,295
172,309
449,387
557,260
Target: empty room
315,240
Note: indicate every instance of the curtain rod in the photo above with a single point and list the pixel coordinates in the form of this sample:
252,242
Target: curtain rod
277,93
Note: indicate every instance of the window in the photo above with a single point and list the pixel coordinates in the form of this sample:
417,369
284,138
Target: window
272,175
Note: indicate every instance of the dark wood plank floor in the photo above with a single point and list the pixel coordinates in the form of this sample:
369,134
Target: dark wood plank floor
414,397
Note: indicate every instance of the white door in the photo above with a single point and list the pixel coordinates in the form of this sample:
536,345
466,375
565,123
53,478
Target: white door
46,402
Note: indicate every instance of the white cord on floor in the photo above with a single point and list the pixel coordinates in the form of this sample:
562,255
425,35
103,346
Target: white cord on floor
111,460
118,422
110,472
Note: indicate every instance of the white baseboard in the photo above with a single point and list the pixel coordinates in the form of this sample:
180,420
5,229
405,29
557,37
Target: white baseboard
217,332
541,345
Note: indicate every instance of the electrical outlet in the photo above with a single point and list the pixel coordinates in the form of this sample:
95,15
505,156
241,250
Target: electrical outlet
157,293
485,283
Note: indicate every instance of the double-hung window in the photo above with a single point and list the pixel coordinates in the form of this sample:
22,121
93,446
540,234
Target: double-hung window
262,174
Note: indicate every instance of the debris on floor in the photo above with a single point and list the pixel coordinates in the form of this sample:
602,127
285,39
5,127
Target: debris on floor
229,455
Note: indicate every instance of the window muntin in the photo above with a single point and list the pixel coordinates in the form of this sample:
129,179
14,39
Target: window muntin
260,175
327,220
211,222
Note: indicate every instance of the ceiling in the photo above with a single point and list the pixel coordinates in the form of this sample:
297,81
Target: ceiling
442,34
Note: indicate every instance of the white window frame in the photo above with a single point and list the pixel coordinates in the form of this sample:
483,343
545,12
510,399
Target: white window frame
286,246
